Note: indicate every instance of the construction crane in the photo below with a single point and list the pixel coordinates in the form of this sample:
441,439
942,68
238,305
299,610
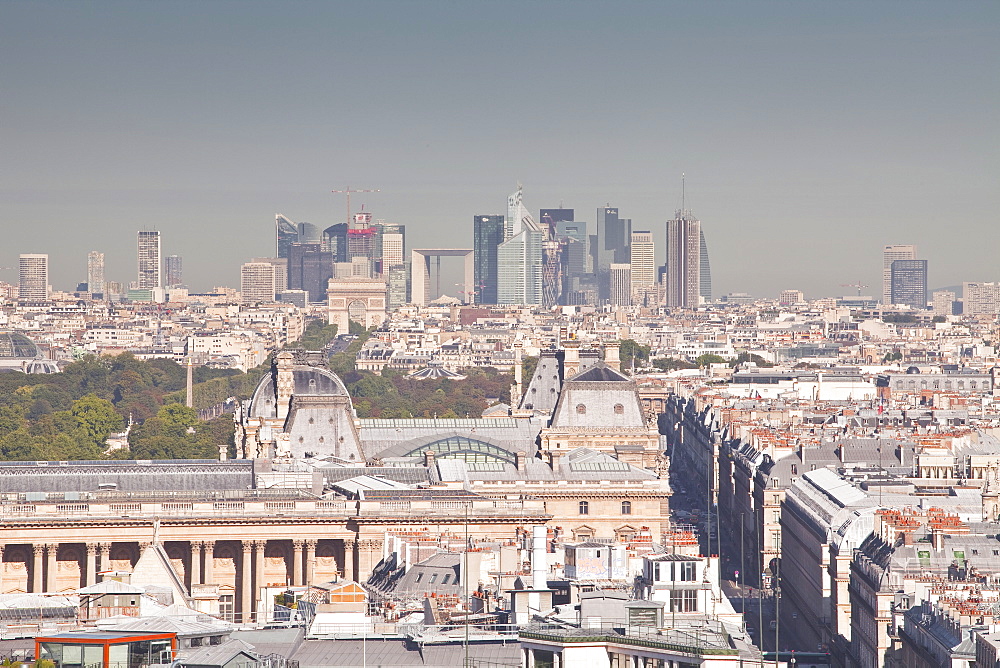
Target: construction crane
347,191
859,286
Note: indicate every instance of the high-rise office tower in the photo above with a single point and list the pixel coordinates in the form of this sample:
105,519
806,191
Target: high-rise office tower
980,298
643,264
520,256
310,269
335,241
150,273
95,273
620,284
487,235
613,235
706,271
389,245
308,234
908,280
683,268
889,255
286,233
175,271
574,233
34,277
257,282
280,265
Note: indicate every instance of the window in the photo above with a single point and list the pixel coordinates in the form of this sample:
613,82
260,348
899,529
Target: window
581,409
420,576
619,409
434,578
687,571
196,642
626,507
684,601
447,578
584,507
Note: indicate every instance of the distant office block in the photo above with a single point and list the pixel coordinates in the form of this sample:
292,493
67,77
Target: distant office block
308,233
788,297
487,235
95,273
981,298
642,261
150,270
683,267
620,283
257,282
175,271
286,234
296,297
335,242
520,260
909,283
613,234
706,272
280,265
34,277
309,269
943,302
889,255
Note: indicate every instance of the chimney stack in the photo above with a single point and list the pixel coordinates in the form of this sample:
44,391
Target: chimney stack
611,355
519,462
571,358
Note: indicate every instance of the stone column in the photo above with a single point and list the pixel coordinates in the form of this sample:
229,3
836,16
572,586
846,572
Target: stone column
246,600
196,562
310,561
51,551
297,546
369,554
209,574
105,550
36,568
259,549
350,546
90,569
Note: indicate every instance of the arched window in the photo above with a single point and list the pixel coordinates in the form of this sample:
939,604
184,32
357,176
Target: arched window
581,409
584,507
626,507
619,409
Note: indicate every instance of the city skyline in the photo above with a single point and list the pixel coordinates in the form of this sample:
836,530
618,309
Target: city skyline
805,126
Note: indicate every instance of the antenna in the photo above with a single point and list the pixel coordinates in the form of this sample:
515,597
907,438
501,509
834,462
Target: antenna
682,194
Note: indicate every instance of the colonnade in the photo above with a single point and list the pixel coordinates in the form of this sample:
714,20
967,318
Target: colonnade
237,563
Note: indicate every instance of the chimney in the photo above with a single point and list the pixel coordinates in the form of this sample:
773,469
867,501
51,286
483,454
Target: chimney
571,358
937,539
611,355
539,571
285,383
519,462
428,458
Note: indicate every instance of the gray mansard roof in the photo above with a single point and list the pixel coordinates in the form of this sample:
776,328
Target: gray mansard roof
597,398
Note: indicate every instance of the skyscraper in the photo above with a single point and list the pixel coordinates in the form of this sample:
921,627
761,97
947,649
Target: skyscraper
613,235
150,272
909,283
487,235
309,269
34,277
683,269
286,234
335,241
706,271
519,257
620,284
175,271
889,255
308,234
389,248
257,282
95,273
643,272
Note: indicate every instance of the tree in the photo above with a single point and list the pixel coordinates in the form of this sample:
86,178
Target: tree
707,359
633,354
673,364
750,357
96,418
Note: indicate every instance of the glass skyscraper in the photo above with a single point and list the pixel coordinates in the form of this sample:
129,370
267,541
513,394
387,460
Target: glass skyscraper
487,236
150,271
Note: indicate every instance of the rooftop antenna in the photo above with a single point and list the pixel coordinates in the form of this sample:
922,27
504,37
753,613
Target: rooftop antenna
682,194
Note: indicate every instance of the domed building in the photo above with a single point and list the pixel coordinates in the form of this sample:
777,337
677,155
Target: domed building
18,353
299,410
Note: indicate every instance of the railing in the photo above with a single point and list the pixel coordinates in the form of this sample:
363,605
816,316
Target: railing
684,641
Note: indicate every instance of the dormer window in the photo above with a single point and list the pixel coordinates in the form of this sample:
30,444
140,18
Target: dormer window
619,409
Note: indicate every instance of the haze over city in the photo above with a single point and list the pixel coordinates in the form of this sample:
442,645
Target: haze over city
811,133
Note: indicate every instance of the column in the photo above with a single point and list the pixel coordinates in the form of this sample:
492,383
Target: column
369,554
3,548
36,568
245,568
209,574
105,550
310,561
196,548
90,569
349,547
51,551
297,546
259,549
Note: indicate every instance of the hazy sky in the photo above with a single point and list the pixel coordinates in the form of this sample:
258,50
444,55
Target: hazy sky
812,133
